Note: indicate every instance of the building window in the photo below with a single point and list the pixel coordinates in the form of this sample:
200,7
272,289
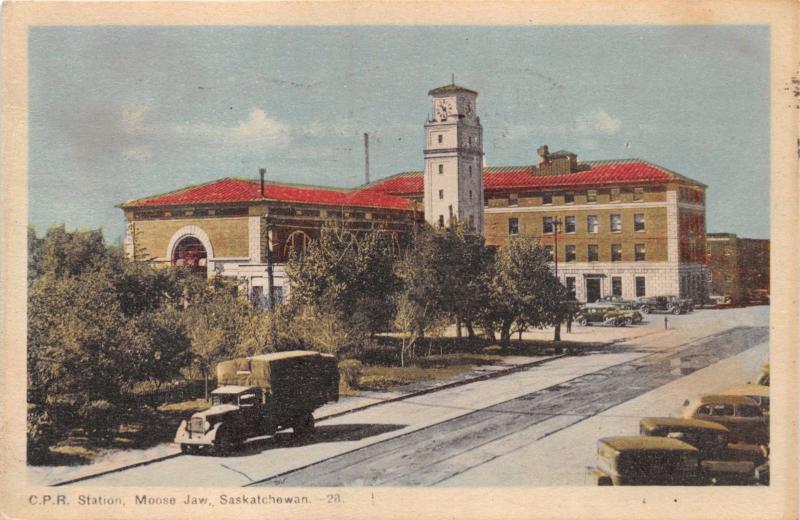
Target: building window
614,195
472,221
640,287
638,221
470,170
513,226
571,286
591,196
513,199
616,286
549,251
547,225
569,198
547,198
469,140
639,252
441,194
441,221
592,224
441,168
569,224
616,222
638,194
569,253
592,253
470,194
440,138
616,252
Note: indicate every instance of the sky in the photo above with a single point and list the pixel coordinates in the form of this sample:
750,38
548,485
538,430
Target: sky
117,113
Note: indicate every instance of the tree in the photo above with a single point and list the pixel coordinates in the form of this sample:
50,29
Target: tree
342,288
422,274
97,326
523,288
406,321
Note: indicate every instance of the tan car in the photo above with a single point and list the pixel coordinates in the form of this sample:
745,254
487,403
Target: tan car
721,463
741,415
758,393
645,461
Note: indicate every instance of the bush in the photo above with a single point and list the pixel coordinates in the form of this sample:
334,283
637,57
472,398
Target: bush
99,419
41,435
350,371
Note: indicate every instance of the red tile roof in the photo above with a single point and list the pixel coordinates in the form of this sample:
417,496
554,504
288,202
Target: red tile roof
241,190
505,178
389,193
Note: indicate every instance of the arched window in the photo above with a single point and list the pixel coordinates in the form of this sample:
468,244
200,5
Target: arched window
296,243
191,254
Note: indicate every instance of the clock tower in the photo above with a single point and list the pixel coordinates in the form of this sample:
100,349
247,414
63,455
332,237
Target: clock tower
454,159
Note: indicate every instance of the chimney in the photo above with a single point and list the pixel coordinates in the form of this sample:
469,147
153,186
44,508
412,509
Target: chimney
366,158
261,173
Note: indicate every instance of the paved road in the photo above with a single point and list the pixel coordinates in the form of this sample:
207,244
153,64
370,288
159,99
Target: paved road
454,435
438,453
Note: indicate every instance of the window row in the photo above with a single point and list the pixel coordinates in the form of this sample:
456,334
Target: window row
441,169
616,287
614,195
569,224
593,252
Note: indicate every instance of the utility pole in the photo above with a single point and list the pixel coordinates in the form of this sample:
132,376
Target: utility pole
556,227
366,158
268,222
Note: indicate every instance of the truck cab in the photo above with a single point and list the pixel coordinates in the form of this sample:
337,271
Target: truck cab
238,408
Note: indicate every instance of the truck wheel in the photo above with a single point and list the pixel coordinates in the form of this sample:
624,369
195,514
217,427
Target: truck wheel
223,444
628,321
645,309
304,425
676,310
582,322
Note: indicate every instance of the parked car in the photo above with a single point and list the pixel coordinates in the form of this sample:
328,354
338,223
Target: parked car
758,296
741,415
259,396
606,316
721,462
758,393
667,304
763,378
645,461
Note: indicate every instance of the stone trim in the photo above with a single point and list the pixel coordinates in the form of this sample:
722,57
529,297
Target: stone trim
199,234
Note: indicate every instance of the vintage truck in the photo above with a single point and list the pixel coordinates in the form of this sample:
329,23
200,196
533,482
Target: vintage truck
260,395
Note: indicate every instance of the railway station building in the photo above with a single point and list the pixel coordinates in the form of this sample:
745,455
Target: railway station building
614,227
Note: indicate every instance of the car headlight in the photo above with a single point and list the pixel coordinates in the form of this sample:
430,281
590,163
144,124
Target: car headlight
206,425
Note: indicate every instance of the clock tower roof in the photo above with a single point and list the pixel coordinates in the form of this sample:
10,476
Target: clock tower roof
450,89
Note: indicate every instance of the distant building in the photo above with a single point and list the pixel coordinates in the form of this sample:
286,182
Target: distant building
739,267
623,227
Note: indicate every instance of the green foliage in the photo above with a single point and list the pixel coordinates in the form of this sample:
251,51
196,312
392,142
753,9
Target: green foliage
523,289
97,325
341,289
98,419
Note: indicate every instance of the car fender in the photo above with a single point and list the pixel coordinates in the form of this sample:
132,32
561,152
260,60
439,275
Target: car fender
182,436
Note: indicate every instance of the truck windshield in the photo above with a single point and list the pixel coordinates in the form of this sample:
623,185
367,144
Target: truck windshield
217,399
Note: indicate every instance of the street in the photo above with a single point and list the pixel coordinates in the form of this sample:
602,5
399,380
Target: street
534,427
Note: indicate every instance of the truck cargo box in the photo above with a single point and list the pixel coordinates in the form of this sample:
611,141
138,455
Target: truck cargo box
287,378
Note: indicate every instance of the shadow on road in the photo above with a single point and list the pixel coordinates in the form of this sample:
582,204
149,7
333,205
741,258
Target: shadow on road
322,433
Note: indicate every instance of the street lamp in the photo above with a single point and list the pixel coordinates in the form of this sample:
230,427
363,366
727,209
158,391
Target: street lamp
556,226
